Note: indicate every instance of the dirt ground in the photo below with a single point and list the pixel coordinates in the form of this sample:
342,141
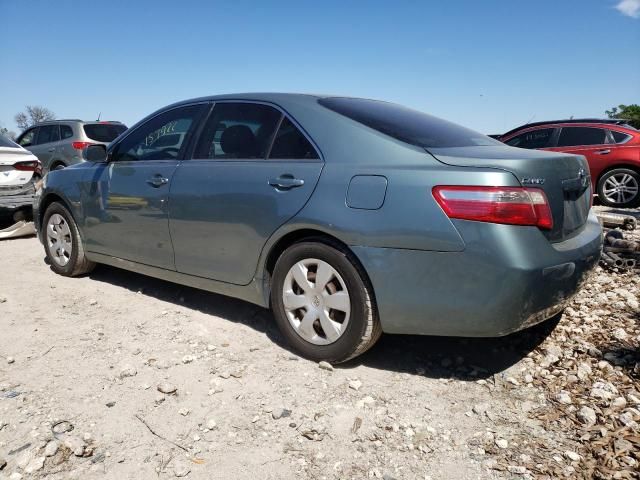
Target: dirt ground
83,360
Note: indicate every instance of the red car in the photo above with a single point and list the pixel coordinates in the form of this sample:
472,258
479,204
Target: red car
611,147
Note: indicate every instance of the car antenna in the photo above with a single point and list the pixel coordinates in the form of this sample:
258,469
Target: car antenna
530,119
99,113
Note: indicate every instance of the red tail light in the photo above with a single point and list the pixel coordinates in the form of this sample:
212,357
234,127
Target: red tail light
30,166
507,205
80,145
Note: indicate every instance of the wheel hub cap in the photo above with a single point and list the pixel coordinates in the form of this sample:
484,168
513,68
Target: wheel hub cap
59,239
620,188
316,301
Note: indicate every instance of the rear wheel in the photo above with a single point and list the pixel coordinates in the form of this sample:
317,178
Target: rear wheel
323,303
62,243
58,166
620,187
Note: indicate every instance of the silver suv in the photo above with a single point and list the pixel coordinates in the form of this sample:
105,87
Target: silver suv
59,143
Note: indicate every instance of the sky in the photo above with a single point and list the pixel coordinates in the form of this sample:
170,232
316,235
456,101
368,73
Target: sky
489,65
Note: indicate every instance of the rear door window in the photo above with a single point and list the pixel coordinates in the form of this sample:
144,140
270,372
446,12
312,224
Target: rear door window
579,136
238,131
48,134
533,139
103,132
290,143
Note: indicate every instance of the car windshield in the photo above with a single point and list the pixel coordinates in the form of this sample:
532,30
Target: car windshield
5,142
103,132
407,125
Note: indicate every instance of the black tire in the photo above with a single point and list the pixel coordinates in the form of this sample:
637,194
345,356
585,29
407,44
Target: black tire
363,328
630,203
59,166
78,263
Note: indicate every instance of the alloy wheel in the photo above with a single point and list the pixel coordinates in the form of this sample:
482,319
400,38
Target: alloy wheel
59,239
316,301
620,188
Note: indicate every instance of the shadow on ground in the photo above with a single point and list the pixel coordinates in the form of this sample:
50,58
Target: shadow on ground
435,357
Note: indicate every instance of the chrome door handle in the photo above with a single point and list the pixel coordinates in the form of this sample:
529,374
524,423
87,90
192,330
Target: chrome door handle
286,182
157,181
602,152
51,150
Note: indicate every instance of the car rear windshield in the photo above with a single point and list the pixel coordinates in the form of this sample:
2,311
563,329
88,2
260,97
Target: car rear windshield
407,125
5,142
103,132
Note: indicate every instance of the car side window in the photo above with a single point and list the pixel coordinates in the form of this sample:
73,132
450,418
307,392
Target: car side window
532,139
65,132
578,136
161,138
48,134
619,137
290,143
238,131
27,139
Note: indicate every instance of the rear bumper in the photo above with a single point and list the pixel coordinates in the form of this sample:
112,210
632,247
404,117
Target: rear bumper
506,279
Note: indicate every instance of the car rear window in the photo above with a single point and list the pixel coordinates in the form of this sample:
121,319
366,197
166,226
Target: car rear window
5,142
620,137
405,124
103,132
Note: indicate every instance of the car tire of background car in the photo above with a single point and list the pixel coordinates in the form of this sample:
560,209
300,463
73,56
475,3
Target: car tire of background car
630,179
360,327
59,166
66,234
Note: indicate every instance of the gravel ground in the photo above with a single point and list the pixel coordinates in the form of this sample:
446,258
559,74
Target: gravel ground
116,375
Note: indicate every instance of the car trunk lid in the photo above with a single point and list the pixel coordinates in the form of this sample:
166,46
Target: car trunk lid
564,179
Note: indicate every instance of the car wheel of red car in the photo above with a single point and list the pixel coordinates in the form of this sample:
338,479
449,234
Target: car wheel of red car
620,187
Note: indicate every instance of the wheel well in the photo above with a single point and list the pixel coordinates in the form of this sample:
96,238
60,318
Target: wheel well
635,168
48,200
307,235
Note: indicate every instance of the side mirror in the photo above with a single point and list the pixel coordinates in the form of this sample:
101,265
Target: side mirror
95,153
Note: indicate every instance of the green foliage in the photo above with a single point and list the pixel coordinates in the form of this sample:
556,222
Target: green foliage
628,112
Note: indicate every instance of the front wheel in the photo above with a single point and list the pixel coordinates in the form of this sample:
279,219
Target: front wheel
62,243
620,187
323,303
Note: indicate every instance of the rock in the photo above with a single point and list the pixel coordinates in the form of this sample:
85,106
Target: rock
3,463
184,412
181,468
280,413
211,424
110,404
10,360
573,456
211,348
15,476
587,416
51,448
355,384
502,443
3,299
563,397
626,419
75,444
480,408
188,359
633,304
128,371
167,388
603,390
34,465
518,470
619,402
584,370
325,366
93,301
528,378
621,445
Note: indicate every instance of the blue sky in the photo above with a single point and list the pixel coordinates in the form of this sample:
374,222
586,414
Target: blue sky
489,65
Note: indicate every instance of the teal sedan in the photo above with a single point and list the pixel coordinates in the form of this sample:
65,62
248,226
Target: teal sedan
346,217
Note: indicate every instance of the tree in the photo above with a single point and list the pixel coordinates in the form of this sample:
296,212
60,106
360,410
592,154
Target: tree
628,112
34,114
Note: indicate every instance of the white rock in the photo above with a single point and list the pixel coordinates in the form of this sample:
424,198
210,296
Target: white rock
15,476
184,412
75,444
325,366
211,424
587,416
355,384
181,468
603,390
573,456
620,334
10,360
34,465
563,397
51,448
502,443
128,371
626,419
619,402
188,359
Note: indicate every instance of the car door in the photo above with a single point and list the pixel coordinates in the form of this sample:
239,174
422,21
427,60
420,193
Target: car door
126,198
46,143
251,171
588,141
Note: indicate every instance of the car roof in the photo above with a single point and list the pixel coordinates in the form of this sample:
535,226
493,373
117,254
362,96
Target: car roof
620,122
76,120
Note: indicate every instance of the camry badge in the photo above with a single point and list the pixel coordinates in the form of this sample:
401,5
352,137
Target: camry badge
533,181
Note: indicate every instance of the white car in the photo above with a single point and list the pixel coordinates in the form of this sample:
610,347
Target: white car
19,168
